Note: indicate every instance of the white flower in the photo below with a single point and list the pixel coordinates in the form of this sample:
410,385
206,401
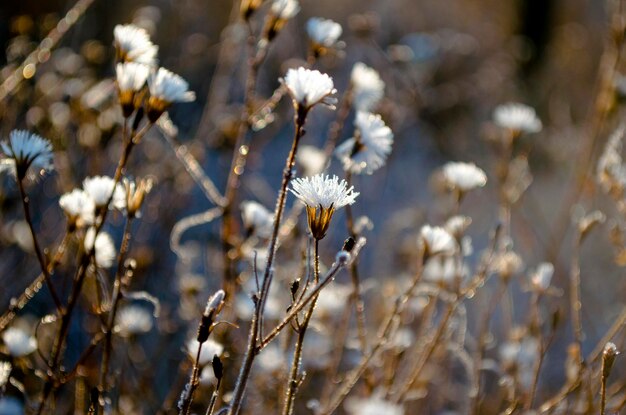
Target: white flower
104,249
134,319
285,9
517,117
441,270
308,87
210,348
18,342
169,87
540,279
131,76
372,406
368,152
5,372
457,225
324,32
323,191
27,149
133,44
312,160
99,188
257,219
463,176
207,376
368,87
437,240
79,207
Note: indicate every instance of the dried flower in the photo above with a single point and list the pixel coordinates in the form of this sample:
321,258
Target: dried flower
308,88
257,219
518,118
323,33
367,151
104,247
463,177
131,78
100,188
134,319
322,194
18,342
136,192
133,44
79,208
166,88
367,87
28,150
437,241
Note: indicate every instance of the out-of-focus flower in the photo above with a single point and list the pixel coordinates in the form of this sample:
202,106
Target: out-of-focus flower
308,88
18,342
166,88
372,406
540,279
247,7
367,87
104,247
136,192
463,177
457,225
324,34
133,44
312,160
27,150
210,348
131,78
271,359
280,12
611,172
100,188
437,241
519,355
133,319
507,264
79,208
322,194
367,151
5,372
257,219
518,118
332,301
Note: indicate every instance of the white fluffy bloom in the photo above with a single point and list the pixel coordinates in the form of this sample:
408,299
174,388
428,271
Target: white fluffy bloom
169,87
210,348
368,87
99,188
285,9
541,278
78,206
134,319
308,87
133,44
324,32
104,249
18,342
323,190
464,176
369,151
27,150
312,160
372,406
437,240
257,218
517,117
5,372
131,76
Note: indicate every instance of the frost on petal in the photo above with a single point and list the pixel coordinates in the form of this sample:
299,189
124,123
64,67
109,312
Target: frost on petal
368,87
369,151
309,87
323,190
463,176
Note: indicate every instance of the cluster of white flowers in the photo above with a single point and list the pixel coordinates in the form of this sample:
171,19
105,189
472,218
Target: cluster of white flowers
463,176
517,118
367,87
27,150
368,150
18,342
309,87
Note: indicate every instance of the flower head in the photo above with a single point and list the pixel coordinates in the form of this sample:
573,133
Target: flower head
79,207
322,194
368,150
437,241
133,44
166,88
517,118
280,12
131,78
28,150
100,188
135,192
463,176
323,33
367,87
104,247
257,219
308,87
134,319
18,342
541,278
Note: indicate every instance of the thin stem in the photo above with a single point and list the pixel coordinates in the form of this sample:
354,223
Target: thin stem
40,258
337,126
575,300
214,395
185,408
